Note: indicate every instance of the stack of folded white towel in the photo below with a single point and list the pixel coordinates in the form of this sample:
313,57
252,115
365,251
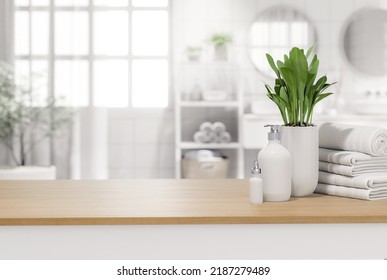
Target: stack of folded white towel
353,161
212,133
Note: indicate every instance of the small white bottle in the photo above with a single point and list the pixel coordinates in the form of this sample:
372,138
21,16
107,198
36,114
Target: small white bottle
275,164
256,184
196,92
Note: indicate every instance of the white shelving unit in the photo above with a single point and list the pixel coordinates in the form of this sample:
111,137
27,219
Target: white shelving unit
190,73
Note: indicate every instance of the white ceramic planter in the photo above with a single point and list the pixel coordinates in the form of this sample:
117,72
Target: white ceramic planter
302,143
28,173
221,52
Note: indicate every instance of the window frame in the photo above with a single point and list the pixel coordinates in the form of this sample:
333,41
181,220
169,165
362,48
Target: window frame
91,57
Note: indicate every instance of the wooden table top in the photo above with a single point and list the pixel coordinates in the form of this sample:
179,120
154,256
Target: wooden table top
115,202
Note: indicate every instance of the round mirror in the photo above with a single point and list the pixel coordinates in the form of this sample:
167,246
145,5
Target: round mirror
365,42
276,31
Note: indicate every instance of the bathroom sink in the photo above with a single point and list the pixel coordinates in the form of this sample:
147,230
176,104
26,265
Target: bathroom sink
367,107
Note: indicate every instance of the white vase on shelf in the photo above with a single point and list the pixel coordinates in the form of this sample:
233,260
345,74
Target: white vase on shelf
221,52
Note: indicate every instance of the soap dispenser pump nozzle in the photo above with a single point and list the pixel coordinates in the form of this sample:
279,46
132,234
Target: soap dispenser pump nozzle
274,133
255,169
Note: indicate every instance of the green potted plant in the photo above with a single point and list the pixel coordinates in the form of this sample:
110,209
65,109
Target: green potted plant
297,90
220,41
22,116
193,53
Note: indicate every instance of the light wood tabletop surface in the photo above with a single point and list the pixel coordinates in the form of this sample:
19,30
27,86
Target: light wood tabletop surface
115,202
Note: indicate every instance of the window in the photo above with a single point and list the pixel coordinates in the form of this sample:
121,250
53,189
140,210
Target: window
96,52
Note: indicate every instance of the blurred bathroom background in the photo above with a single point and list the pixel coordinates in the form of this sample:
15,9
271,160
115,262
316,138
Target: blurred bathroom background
146,75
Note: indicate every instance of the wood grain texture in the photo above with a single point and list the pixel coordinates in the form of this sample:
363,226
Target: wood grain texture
114,202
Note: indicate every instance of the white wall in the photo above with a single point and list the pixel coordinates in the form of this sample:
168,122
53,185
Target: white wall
141,144
196,20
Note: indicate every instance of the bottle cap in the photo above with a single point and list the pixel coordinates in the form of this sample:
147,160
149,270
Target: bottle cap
255,169
274,133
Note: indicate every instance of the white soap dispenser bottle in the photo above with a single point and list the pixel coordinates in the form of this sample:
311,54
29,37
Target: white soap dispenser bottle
256,184
275,163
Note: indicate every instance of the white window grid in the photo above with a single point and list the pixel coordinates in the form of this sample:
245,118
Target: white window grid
51,57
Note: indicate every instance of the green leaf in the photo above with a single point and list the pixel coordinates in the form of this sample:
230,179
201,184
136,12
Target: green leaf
309,83
279,99
325,86
320,83
314,64
281,104
284,96
310,50
321,97
291,81
286,58
277,86
280,64
268,88
272,64
299,64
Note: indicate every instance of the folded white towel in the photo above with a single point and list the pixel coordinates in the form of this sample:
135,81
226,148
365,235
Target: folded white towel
347,170
367,194
369,140
350,158
374,181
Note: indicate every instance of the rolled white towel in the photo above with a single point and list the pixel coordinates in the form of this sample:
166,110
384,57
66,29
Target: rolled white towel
350,158
203,137
218,127
366,194
347,170
206,127
224,137
368,181
369,140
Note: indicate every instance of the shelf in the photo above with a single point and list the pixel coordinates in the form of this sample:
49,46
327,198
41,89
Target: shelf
210,64
209,104
194,145
206,73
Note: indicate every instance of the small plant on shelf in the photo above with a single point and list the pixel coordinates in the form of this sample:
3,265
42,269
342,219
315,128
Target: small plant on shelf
193,53
297,89
220,41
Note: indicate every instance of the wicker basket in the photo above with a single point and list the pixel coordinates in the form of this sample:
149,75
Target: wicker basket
193,169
